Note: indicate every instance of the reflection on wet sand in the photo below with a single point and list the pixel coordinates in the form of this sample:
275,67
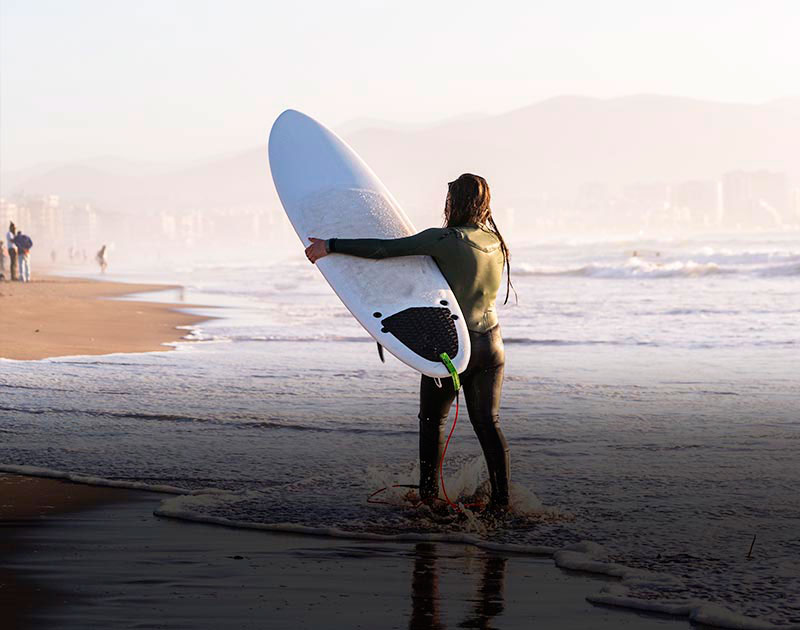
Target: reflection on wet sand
425,598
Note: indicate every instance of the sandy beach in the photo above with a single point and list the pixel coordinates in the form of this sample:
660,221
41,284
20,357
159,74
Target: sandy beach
54,316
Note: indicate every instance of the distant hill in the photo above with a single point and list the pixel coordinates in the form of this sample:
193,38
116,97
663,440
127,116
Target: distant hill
551,147
241,179
557,145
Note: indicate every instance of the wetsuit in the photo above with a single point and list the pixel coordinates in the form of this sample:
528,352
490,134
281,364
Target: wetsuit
471,260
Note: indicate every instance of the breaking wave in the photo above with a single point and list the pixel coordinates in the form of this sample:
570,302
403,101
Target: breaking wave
703,262
632,268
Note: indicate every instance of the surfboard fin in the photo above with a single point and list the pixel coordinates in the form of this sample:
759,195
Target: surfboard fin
380,353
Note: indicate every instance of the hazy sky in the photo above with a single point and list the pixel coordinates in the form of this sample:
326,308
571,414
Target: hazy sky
171,80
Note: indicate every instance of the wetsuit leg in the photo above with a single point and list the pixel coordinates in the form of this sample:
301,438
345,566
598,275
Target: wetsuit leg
482,389
434,407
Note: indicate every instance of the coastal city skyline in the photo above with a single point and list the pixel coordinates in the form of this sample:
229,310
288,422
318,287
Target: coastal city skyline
738,201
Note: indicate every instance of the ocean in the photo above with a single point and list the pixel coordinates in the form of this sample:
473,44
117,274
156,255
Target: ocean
651,406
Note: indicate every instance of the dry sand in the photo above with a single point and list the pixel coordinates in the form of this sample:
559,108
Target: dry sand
55,316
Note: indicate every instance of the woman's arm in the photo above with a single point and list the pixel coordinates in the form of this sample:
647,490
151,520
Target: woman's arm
420,244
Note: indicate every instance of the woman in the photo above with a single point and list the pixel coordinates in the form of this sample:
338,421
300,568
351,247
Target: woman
471,253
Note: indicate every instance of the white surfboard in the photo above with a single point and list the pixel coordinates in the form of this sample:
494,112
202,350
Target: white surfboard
328,191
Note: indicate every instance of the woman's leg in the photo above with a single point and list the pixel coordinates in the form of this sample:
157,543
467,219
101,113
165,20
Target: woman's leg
483,386
482,393
434,407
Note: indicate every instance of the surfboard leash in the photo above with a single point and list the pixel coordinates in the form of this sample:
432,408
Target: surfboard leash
452,369
457,387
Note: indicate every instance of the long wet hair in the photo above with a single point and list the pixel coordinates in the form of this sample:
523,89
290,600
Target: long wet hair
469,202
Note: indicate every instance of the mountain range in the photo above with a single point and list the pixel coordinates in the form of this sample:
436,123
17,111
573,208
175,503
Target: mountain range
549,148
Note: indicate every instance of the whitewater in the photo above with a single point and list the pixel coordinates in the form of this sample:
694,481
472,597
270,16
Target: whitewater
650,403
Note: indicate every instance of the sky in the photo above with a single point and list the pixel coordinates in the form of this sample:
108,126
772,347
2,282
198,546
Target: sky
170,81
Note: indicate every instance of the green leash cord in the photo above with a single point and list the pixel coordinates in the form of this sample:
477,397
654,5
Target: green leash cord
452,368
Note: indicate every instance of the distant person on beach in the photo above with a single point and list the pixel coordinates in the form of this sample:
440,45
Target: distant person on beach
101,259
471,254
12,250
2,260
24,244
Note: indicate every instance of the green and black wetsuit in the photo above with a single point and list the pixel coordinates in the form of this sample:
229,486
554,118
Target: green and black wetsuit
471,259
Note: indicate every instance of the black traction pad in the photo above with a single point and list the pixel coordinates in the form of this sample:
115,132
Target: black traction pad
427,330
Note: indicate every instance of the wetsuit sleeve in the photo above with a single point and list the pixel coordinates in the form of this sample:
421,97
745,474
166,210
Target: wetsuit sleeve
423,244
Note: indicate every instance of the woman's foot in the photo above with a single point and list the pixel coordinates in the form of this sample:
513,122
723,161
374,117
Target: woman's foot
496,511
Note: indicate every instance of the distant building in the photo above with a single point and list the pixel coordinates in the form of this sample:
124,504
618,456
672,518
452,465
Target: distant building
45,218
648,204
8,213
648,197
81,226
796,205
757,198
699,201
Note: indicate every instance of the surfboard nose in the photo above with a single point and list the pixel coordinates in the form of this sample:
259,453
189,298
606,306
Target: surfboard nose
290,116
306,158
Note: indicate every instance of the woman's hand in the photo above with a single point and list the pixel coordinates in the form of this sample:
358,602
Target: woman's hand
316,250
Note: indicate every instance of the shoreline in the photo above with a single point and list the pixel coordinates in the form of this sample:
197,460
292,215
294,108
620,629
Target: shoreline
55,316
104,559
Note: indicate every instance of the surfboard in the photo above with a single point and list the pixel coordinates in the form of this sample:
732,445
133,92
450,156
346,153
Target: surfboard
328,191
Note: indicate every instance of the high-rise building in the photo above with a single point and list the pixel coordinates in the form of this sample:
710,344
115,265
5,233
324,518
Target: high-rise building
756,198
698,200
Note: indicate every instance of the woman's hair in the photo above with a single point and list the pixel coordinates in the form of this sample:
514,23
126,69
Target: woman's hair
468,202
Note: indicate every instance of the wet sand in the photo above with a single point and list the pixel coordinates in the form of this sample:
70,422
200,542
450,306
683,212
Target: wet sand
26,502
113,564
53,316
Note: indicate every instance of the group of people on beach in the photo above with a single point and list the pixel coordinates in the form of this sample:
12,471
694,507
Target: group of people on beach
18,245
